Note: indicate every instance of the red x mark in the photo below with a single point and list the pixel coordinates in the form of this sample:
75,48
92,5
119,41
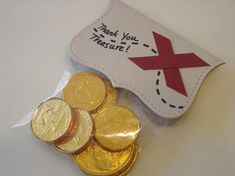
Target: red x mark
169,63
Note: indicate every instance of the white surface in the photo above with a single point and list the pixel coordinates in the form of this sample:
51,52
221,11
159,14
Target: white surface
34,36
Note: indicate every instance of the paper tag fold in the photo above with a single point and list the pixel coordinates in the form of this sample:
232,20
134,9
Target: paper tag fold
139,54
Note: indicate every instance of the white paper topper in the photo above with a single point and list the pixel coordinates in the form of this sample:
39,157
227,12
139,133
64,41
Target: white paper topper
138,54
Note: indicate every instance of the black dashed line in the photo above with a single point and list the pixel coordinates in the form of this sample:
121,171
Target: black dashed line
113,41
101,35
123,43
157,81
95,30
153,50
163,100
134,43
145,45
158,92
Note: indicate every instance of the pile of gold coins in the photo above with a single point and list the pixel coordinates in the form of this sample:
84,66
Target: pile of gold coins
88,123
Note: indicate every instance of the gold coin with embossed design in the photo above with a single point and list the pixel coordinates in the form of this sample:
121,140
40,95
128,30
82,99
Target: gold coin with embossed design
82,134
98,161
129,166
111,97
117,127
85,91
52,120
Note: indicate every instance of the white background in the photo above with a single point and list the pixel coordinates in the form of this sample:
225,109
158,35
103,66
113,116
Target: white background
34,37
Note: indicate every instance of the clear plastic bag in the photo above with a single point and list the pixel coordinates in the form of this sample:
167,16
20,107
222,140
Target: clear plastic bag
150,127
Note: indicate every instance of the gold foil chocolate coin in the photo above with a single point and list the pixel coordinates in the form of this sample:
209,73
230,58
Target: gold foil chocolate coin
85,91
117,127
82,134
111,97
52,120
130,164
98,161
